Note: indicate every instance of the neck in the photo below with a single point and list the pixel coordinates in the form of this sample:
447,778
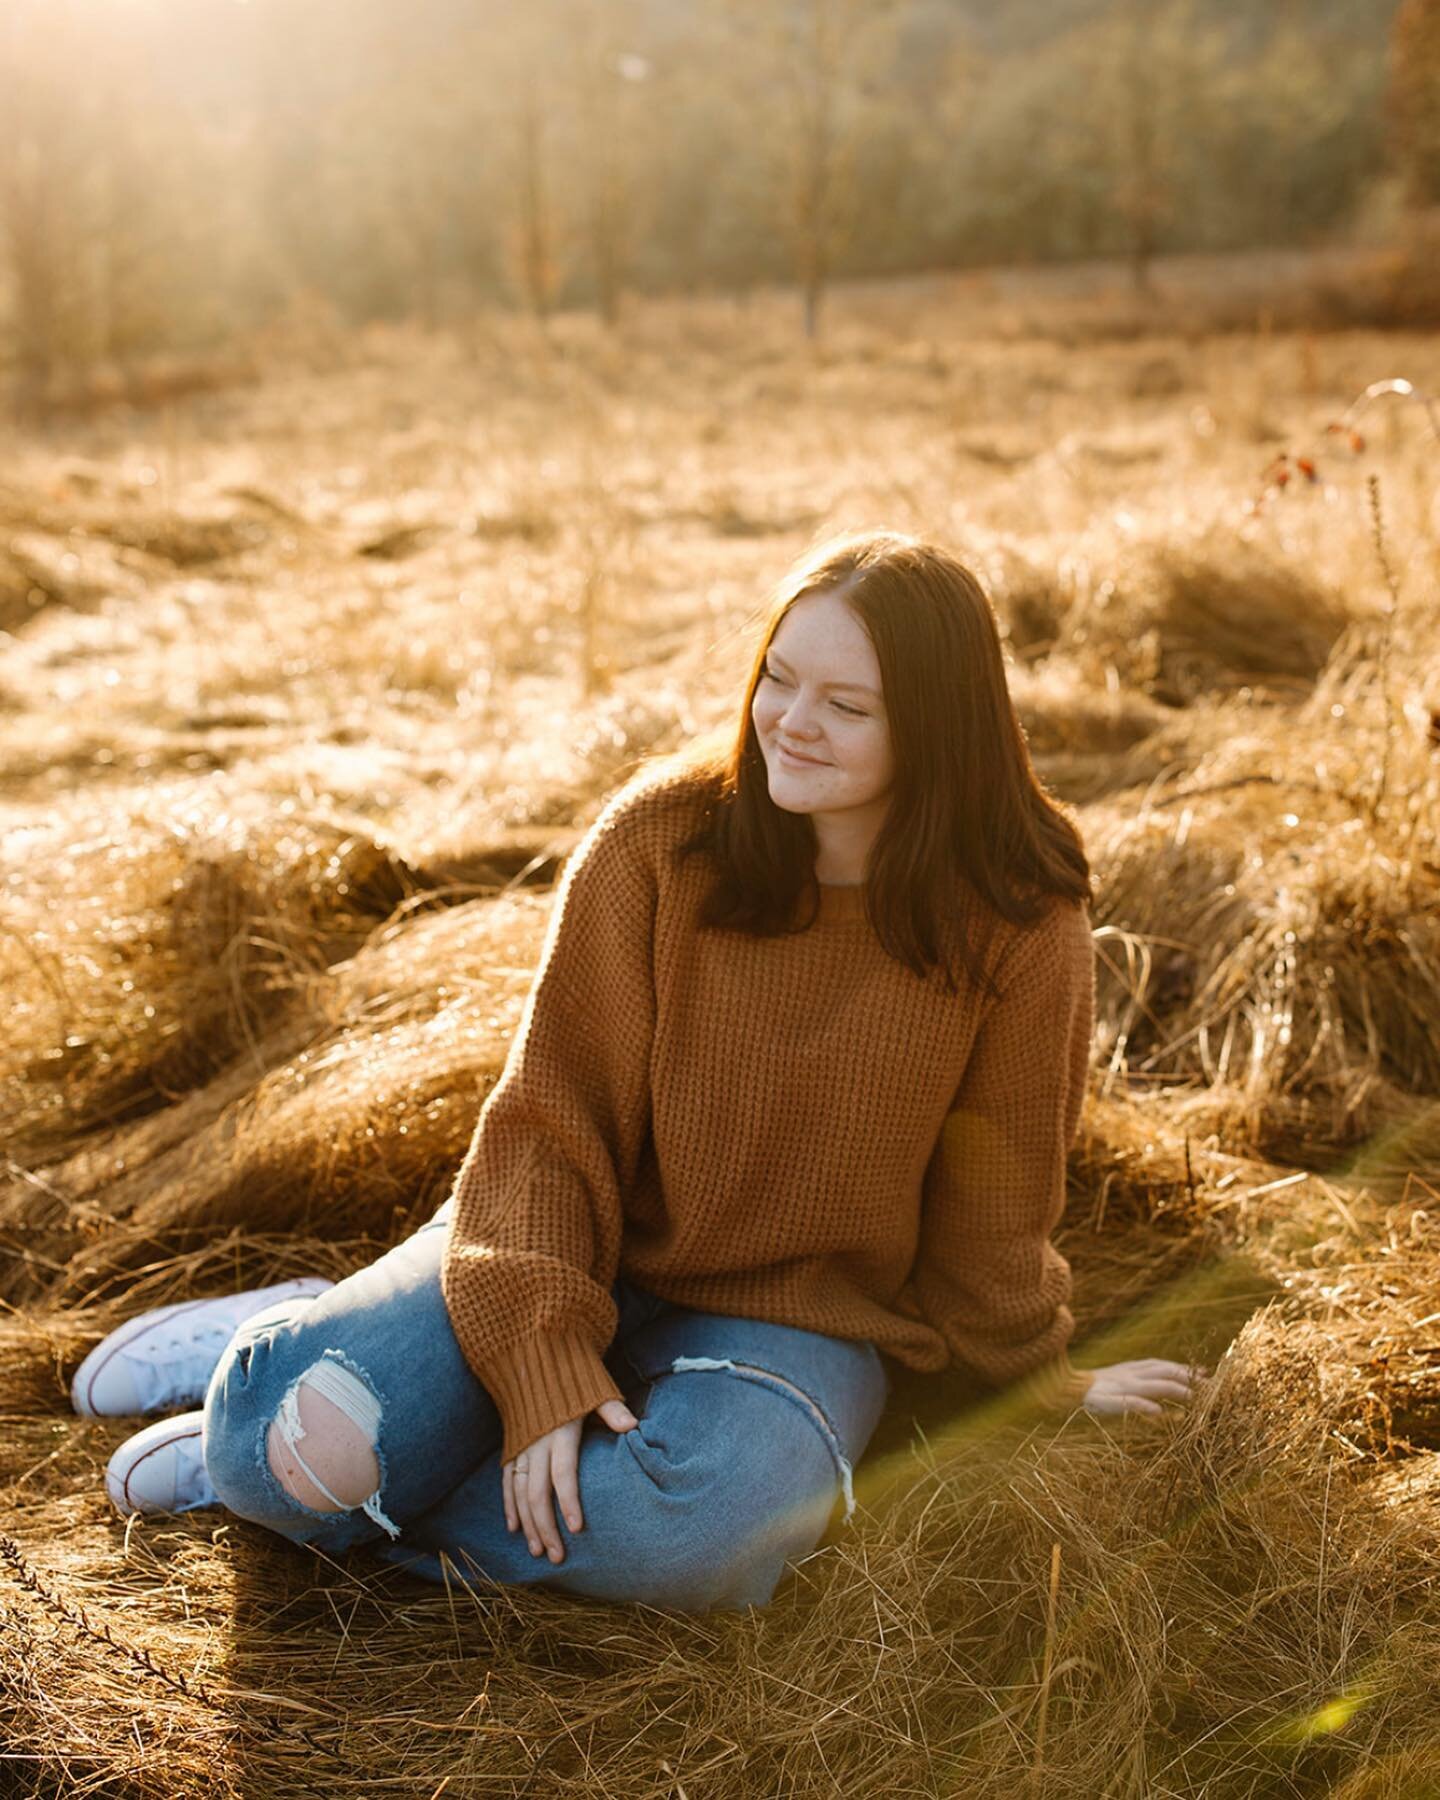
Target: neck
842,848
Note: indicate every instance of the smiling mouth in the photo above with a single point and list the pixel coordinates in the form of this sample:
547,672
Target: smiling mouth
812,762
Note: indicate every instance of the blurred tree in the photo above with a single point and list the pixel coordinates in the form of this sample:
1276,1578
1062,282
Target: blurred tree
694,193
532,227
817,65
173,174
1415,98
533,235
1292,134
1146,74
1056,153
709,194
606,72
42,159
311,200
90,222
916,166
1141,177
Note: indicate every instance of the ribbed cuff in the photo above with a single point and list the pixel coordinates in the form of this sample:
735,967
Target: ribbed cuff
543,1382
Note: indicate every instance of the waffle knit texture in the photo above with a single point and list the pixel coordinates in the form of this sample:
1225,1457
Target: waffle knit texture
795,1128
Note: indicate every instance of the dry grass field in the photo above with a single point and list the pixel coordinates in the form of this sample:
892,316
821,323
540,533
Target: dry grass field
310,681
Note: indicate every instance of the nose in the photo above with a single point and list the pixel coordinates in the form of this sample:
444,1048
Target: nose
795,722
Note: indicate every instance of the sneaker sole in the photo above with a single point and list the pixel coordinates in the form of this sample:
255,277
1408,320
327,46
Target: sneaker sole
125,1503
83,1385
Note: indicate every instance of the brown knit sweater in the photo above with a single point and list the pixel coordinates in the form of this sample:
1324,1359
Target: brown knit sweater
794,1128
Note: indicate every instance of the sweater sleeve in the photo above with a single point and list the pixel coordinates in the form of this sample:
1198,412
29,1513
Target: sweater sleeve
986,1274
533,1243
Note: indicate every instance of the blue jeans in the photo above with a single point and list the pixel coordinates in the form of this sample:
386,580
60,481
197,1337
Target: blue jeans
728,1474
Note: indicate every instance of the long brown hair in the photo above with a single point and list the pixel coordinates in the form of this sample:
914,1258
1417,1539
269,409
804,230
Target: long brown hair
967,817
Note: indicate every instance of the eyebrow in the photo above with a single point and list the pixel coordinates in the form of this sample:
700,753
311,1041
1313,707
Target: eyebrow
854,686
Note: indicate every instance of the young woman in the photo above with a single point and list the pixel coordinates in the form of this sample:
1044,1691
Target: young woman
789,1103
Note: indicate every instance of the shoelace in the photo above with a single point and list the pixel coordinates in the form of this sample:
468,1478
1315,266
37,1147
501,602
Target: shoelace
179,1364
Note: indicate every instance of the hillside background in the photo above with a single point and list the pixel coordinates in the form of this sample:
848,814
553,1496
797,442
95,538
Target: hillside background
172,174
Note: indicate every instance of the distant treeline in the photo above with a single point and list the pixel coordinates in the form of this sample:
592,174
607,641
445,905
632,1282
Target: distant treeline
172,170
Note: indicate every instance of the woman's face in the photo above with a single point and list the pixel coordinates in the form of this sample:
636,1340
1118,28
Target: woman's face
821,696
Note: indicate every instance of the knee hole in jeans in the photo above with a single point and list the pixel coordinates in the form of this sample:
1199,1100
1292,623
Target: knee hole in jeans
333,1405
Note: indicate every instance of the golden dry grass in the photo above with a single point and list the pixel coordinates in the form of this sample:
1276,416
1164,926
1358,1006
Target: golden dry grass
310,688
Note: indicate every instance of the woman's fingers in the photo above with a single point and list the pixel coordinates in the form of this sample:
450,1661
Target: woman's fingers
530,1485
529,1504
521,1480
617,1415
1178,1390
1142,1385
1157,1387
1154,1375
544,1533
551,1477
565,1473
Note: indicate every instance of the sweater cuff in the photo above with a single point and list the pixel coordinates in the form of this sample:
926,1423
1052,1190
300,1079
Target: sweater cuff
543,1382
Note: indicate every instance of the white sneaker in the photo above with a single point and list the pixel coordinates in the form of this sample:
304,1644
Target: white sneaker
161,1468
165,1357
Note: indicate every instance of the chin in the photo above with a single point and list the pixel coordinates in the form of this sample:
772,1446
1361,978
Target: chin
794,806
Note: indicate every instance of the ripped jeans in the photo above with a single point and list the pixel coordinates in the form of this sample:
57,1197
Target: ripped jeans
747,1438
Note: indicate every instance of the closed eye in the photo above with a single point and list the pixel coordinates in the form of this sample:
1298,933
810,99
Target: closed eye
855,712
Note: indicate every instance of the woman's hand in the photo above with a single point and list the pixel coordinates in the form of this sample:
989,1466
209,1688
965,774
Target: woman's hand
548,1470
1140,1386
